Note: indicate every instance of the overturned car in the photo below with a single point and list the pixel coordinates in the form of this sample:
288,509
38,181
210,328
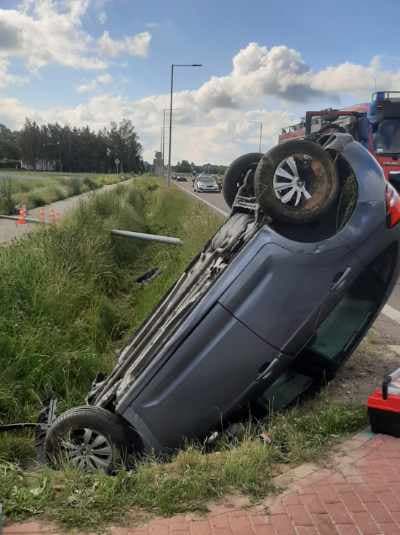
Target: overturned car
275,303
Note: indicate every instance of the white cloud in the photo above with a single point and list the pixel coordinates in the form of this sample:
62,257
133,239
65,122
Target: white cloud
215,122
102,17
135,45
96,83
42,32
6,78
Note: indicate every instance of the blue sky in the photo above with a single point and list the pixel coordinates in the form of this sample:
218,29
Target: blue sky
92,61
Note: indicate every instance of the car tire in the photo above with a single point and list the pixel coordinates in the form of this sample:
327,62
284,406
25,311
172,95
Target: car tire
236,173
89,438
296,182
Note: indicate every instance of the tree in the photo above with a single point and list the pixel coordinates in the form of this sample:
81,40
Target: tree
9,149
74,149
183,167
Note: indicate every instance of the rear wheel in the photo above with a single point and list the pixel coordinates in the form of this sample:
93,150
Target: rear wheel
296,182
88,438
236,173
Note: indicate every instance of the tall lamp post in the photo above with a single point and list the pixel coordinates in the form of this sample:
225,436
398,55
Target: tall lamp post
260,134
170,113
163,137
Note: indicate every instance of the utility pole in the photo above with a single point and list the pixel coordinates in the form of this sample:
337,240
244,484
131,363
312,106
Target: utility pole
170,114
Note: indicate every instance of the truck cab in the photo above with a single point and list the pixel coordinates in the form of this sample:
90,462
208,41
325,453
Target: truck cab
376,125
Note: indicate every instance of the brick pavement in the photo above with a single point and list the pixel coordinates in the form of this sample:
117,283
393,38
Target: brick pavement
357,494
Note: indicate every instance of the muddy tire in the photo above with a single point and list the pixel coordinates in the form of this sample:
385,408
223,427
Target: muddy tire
88,438
296,182
236,173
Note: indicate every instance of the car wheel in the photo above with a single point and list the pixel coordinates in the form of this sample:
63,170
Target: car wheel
236,173
296,182
88,438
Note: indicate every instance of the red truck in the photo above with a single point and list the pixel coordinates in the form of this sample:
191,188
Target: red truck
375,124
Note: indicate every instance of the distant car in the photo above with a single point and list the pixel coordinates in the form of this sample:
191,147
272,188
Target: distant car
181,178
206,184
273,305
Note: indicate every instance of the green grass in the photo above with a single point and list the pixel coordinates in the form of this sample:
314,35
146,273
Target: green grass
68,295
189,481
68,300
35,189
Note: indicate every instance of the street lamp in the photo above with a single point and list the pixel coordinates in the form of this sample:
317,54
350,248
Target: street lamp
163,137
260,134
170,113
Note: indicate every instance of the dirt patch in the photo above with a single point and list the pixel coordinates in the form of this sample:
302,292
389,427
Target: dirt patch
364,371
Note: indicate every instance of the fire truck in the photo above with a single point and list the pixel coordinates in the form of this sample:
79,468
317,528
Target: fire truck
375,124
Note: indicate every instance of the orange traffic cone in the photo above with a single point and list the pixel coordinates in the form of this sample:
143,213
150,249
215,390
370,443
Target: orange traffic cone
22,216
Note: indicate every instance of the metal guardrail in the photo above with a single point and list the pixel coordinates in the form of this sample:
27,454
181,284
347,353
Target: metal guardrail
147,237
27,219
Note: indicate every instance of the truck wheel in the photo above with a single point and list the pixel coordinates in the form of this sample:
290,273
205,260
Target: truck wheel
88,438
296,182
236,173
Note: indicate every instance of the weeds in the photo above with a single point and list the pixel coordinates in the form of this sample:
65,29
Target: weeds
68,296
38,189
189,481
67,300
7,202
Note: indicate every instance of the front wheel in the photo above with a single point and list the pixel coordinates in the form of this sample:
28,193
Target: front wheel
88,438
296,182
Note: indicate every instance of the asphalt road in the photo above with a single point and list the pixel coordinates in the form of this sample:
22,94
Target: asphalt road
9,230
388,322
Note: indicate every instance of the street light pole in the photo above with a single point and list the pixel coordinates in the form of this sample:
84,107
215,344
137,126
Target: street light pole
170,114
260,134
163,143
165,110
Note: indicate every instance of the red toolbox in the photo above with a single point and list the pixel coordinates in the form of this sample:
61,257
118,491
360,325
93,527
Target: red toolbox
384,406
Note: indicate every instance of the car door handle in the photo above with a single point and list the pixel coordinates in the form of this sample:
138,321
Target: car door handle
340,278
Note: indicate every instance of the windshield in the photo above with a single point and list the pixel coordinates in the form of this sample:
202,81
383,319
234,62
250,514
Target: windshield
387,137
207,179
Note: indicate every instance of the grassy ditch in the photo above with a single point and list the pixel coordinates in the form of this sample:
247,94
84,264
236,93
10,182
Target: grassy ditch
68,299
186,483
68,295
38,189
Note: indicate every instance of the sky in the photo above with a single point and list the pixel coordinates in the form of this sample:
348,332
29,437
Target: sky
90,62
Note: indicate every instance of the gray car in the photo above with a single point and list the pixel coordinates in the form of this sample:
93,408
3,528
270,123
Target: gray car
206,184
276,302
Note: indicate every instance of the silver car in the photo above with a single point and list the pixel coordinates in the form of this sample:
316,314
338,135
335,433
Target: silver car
275,303
206,184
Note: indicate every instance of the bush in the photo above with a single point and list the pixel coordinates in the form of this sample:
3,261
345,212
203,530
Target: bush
90,183
7,201
74,186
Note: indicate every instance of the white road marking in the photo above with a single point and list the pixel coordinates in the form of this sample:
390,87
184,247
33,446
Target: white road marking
222,212
391,313
387,310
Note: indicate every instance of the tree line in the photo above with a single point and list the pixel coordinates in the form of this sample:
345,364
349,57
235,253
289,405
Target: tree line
186,167
54,147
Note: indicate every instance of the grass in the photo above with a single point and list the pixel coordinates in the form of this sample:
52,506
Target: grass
68,296
35,189
187,482
68,300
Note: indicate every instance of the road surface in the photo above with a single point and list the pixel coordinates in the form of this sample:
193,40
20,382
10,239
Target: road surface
388,322
9,230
